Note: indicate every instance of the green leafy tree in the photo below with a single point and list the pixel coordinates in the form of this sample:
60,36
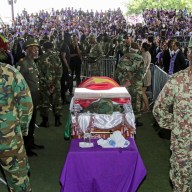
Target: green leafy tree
137,6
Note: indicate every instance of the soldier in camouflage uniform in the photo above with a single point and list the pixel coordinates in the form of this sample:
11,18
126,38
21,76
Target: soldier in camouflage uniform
50,72
106,45
130,73
177,93
95,55
15,114
85,46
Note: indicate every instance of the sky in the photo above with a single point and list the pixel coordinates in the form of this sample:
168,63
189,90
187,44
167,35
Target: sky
36,5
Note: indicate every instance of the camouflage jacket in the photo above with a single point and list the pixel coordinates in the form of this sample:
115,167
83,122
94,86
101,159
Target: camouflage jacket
15,106
30,72
131,67
96,51
50,70
177,93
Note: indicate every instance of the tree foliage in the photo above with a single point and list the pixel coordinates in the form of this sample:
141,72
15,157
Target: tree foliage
137,6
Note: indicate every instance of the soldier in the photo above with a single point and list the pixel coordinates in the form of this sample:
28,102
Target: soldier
177,94
130,73
95,55
127,43
106,45
50,72
29,70
85,46
119,48
15,114
96,51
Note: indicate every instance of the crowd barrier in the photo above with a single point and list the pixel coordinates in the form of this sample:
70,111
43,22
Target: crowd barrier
183,40
106,67
158,80
102,67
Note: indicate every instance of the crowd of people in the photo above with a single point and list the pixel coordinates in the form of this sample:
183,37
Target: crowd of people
168,23
47,49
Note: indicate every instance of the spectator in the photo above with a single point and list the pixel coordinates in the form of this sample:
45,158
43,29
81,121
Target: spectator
147,76
66,79
167,55
177,62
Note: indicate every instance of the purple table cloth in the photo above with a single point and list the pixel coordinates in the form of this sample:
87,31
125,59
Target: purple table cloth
102,170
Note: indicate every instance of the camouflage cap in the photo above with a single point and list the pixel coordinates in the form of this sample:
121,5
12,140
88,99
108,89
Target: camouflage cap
190,43
30,42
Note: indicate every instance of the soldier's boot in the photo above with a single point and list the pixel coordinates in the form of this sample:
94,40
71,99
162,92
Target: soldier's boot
45,122
57,121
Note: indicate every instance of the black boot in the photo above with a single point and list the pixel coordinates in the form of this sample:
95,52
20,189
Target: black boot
30,153
44,123
57,121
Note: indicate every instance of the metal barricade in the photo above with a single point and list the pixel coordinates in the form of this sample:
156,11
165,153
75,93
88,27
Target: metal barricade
183,40
101,67
159,78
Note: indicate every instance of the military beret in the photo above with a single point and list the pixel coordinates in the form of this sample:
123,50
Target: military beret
48,45
30,42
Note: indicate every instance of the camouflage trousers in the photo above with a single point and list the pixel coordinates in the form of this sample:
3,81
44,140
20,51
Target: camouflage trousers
15,166
50,102
181,165
136,97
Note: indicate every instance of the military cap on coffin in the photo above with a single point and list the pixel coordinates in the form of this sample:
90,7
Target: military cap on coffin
120,38
190,43
30,42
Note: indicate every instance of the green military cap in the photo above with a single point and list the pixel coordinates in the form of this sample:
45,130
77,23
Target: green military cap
190,43
30,42
105,106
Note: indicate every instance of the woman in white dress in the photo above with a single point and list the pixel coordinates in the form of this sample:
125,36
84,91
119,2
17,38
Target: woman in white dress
147,77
